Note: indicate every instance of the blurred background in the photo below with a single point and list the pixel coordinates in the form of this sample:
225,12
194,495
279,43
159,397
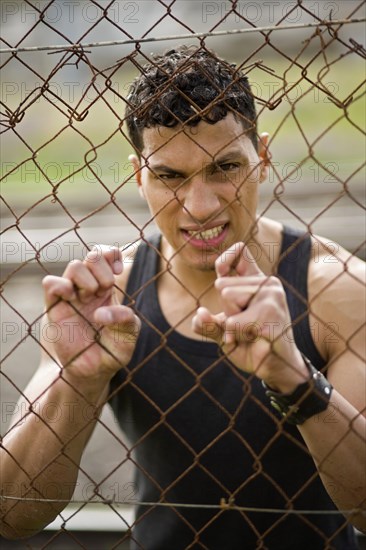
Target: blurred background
66,181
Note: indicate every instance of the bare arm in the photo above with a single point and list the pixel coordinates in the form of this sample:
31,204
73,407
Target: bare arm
336,438
338,449
41,452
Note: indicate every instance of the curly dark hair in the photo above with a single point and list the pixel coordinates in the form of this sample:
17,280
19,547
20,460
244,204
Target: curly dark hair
187,85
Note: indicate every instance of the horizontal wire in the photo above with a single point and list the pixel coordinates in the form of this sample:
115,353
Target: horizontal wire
224,506
77,46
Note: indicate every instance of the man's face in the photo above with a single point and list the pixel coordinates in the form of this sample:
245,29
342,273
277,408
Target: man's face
201,186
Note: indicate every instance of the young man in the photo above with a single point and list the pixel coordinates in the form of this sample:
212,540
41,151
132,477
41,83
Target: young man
212,332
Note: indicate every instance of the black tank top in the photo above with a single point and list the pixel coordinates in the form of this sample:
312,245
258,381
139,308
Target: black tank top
201,430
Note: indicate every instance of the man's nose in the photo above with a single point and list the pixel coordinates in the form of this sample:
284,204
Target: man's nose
200,200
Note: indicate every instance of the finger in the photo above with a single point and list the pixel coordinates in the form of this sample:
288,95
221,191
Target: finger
243,327
83,280
249,282
112,255
120,318
214,327
101,269
236,260
237,298
207,325
56,288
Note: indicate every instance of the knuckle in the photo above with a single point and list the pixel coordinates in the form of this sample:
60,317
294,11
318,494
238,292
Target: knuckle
272,309
227,293
73,267
93,256
279,295
231,323
274,282
273,288
106,282
108,252
46,281
87,288
75,263
50,283
92,286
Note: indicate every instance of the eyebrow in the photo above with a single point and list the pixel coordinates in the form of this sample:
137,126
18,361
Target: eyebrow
230,155
163,168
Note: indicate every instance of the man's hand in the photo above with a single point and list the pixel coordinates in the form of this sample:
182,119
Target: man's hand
92,334
254,328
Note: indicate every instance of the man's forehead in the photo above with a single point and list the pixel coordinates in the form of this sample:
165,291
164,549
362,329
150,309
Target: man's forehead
204,140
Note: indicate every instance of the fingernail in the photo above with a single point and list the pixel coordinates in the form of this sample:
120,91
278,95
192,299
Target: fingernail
117,267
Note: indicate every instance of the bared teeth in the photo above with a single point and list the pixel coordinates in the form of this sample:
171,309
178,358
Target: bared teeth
208,234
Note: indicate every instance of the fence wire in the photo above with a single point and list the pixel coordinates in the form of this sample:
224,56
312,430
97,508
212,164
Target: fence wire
66,183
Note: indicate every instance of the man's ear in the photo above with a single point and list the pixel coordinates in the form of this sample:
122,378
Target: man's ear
137,169
264,155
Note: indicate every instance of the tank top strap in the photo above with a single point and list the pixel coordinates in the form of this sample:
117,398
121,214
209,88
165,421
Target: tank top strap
293,272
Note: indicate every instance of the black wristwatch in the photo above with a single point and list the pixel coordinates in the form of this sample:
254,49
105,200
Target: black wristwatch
308,399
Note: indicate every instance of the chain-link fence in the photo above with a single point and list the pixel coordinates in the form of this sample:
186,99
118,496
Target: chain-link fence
190,454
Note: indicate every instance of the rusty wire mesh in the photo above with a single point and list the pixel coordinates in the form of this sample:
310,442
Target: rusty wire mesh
64,145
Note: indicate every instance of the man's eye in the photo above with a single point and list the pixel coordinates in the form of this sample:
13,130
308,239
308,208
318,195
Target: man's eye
168,176
228,166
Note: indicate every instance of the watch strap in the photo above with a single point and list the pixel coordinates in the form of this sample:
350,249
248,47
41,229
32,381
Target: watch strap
308,399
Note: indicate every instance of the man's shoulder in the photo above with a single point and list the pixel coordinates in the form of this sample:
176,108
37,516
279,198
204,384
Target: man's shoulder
336,288
331,263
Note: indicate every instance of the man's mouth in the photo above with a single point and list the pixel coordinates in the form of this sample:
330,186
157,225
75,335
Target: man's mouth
212,237
208,234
